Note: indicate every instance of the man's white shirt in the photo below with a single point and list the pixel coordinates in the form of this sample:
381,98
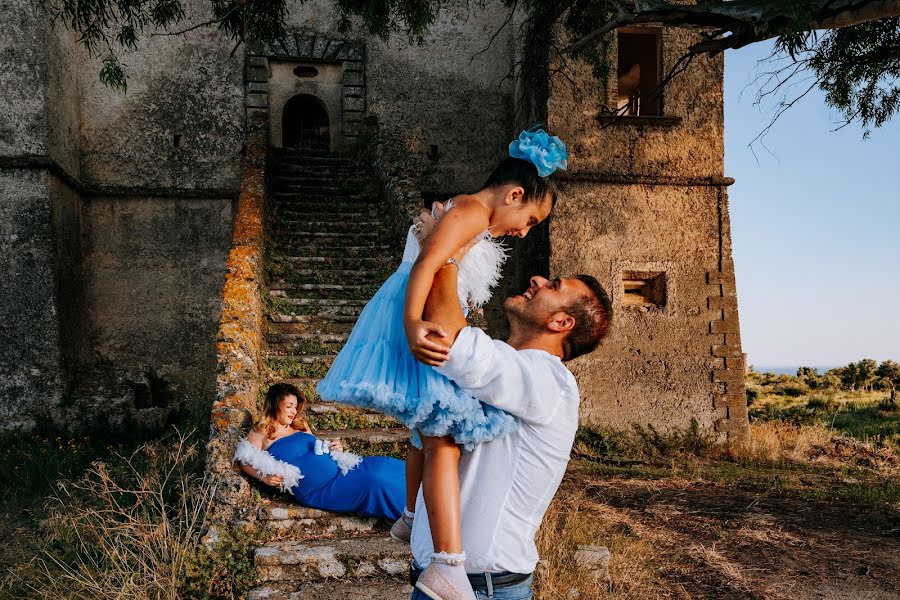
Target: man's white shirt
507,484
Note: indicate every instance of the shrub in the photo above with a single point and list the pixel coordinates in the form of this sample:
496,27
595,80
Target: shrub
127,527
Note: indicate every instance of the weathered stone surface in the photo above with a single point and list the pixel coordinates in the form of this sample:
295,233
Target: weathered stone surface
315,561
368,590
595,559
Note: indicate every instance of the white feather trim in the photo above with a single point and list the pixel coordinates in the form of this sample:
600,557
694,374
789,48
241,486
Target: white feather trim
479,270
266,464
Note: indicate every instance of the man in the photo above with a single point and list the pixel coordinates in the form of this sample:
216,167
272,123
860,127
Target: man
507,484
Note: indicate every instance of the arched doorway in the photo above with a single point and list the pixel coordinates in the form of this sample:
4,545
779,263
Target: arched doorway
305,124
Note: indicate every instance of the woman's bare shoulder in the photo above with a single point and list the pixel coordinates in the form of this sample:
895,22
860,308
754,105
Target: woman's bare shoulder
468,208
256,437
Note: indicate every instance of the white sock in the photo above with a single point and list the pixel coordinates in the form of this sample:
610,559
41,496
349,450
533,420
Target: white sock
446,558
407,514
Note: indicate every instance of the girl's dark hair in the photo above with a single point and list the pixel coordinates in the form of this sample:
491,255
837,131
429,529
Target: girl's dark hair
522,172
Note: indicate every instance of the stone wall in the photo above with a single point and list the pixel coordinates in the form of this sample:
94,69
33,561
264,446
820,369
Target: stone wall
435,94
153,271
646,195
187,86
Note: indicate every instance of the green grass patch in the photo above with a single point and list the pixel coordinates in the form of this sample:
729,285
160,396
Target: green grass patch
285,368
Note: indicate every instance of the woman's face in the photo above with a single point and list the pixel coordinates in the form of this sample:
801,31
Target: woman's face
287,410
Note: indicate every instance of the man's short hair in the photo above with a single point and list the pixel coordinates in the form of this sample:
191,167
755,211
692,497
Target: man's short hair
593,314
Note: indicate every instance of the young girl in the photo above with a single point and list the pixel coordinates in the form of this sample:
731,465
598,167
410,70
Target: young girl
376,369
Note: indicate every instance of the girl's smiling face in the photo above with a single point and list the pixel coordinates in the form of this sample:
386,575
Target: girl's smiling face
515,217
287,410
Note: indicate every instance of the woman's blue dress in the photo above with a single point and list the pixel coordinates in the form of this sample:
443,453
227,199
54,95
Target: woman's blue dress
375,488
375,369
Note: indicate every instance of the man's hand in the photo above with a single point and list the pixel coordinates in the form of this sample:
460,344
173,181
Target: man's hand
422,338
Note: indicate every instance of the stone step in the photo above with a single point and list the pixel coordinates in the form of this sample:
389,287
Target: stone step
316,344
325,250
308,211
320,235
371,589
322,201
287,519
377,435
333,225
324,191
308,323
359,557
281,367
283,272
314,178
318,303
286,218
329,291
328,263
327,325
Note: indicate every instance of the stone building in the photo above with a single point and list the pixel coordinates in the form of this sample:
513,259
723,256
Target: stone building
118,210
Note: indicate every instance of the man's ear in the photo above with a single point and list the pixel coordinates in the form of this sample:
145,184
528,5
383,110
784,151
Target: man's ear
516,195
561,322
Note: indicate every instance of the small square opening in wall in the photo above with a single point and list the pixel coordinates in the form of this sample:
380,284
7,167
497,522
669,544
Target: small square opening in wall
643,288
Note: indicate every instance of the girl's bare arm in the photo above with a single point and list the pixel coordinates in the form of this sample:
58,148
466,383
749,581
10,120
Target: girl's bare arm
456,229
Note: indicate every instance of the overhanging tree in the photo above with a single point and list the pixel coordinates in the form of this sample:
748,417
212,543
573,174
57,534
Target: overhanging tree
848,48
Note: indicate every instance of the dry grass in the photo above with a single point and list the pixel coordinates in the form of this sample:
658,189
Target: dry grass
575,519
123,531
777,441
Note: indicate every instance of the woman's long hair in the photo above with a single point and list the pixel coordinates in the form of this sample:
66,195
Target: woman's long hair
269,421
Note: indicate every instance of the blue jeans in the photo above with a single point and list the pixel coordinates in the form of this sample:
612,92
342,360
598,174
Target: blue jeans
519,591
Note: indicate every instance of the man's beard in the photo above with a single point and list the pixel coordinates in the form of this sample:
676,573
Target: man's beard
521,318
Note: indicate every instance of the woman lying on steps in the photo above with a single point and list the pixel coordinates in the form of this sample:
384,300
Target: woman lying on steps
281,451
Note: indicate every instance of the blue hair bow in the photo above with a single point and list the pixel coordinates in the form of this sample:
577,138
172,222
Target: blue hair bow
547,152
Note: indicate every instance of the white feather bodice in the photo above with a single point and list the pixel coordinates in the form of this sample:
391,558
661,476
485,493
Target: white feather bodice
479,271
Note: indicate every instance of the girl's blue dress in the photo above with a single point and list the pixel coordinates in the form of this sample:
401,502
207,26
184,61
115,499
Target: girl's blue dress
376,370
375,488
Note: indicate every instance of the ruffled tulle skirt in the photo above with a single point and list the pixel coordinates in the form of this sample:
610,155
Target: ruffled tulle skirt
376,370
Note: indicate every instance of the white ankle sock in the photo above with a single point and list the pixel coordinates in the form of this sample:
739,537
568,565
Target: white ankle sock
447,558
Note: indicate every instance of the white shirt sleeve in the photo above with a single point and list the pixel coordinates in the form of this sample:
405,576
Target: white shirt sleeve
524,383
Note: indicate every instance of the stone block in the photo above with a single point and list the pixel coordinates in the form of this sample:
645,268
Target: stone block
725,326
353,91
259,87
728,376
319,47
305,45
721,302
257,100
354,104
257,74
595,559
719,277
354,78
726,351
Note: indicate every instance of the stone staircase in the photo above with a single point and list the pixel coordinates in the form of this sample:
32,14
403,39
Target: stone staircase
325,257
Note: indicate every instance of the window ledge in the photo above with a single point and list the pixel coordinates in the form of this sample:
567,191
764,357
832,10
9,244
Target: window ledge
660,122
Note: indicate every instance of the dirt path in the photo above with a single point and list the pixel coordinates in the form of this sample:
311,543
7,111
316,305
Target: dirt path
731,542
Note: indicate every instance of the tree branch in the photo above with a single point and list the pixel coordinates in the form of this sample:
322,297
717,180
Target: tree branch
746,21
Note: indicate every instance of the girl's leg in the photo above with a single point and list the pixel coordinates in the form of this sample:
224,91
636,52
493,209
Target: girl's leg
415,459
440,486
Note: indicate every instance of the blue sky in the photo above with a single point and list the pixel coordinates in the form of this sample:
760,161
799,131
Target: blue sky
816,228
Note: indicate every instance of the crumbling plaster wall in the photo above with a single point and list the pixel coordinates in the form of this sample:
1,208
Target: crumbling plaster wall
157,225
40,216
655,365
434,94
154,271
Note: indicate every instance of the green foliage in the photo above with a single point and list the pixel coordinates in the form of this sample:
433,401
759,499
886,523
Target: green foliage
224,569
641,443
